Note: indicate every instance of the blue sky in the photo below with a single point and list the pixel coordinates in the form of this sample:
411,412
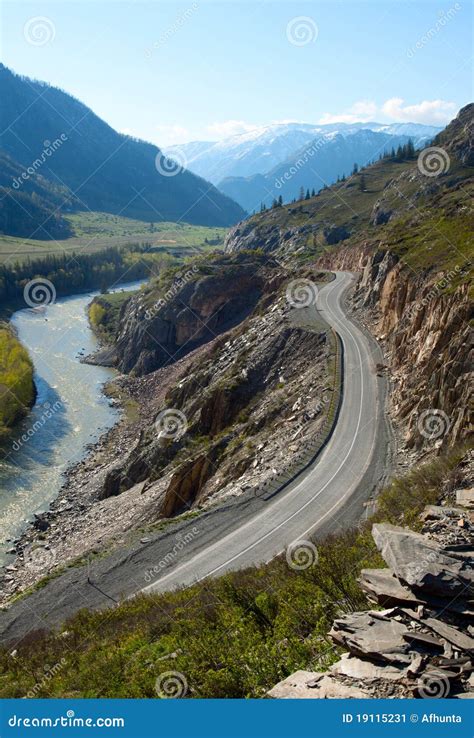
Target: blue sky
171,72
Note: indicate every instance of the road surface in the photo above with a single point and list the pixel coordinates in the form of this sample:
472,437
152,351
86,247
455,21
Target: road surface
327,497
296,515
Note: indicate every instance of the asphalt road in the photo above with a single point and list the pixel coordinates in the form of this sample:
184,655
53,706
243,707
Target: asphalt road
327,497
297,514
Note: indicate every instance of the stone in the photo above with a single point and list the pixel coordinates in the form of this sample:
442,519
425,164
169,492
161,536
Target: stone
465,497
420,562
367,635
382,586
309,685
356,668
460,640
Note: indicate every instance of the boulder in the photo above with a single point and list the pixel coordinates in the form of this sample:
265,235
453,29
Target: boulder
420,562
308,685
371,635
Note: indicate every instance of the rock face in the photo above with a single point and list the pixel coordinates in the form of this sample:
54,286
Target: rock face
159,327
423,646
428,341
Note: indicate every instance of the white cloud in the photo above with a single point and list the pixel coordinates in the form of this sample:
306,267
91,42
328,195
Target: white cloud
173,134
429,112
360,112
229,128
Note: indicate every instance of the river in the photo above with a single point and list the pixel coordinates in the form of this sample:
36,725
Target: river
70,412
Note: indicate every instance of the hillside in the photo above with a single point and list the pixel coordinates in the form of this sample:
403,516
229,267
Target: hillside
319,163
105,170
33,210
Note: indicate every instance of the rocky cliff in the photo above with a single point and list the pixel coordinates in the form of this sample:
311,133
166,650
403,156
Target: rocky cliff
423,320
184,310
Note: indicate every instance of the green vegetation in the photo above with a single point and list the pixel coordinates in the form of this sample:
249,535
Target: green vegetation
90,232
17,391
81,272
234,636
104,314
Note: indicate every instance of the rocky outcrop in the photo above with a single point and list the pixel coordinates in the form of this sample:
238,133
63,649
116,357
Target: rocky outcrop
160,325
423,644
424,323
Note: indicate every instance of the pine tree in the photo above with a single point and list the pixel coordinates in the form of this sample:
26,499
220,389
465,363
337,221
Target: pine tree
362,184
313,192
355,169
307,196
301,197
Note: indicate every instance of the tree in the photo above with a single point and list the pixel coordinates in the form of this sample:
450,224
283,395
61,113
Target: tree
301,197
362,184
280,201
307,196
355,169
313,192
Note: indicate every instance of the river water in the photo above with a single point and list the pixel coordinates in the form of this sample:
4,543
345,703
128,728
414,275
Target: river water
71,411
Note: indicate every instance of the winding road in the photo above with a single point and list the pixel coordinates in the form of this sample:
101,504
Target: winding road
298,513
327,497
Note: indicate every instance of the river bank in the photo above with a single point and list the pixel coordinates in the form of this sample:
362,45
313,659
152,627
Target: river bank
70,412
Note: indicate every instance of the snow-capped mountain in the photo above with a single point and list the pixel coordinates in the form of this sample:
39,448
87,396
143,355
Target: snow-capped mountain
315,165
260,150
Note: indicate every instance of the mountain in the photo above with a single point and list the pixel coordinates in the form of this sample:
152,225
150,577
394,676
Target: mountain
316,165
260,150
58,137
32,210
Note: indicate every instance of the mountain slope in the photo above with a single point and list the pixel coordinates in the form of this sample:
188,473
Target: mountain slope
317,164
261,149
30,209
105,170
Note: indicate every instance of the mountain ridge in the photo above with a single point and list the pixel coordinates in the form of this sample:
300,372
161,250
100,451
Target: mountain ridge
116,174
